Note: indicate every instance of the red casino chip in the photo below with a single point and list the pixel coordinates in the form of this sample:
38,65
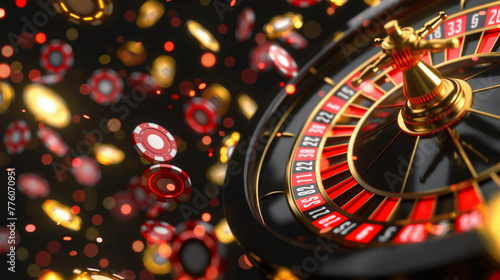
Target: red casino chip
165,182
245,24
295,40
16,137
56,57
33,185
157,231
259,59
86,171
196,252
52,141
106,86
124,207
282,61
50,79
303,3
154,143
143,83
201,115
157,208
140,197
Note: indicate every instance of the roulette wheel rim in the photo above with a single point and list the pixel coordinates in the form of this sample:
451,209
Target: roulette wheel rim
270,250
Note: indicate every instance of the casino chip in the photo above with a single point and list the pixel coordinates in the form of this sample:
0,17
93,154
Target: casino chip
157,231
143,83
203,36
94,274
106,86
282,61
6,95
124,207
219,96
154,143
52,141
196,252
91,12
158,207
86,171
141,199
132,53
5,233
50,79
245,24
163,70
16,137
281,24
165,182
295,40
155,261
56,57
33,185
259,57
201,115
303,3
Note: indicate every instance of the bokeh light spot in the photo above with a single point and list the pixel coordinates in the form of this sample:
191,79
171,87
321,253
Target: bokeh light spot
30,227
208,60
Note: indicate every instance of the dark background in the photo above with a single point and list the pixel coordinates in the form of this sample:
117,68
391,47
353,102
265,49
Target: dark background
94,41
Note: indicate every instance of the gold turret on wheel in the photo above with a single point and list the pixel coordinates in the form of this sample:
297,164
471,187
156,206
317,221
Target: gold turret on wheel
433,102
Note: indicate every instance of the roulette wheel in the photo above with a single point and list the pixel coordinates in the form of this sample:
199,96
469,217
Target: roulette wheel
378,159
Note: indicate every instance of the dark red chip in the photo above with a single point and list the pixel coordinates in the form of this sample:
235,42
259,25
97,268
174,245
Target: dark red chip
16,137
159,207
52,141
136,190
295,40
106,86
303,3
201,115
245,24
124,207
154,143
56,57
282,61
50,79
33,185
86,171
5,236
165,182
157,231
259,59
196,252
143,83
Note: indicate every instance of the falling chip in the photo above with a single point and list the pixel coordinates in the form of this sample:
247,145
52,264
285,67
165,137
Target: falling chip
107,154
163,70
204,37
228,146
132,53
219,96
223,232
247,105
490,232
84,11
149,13
61,214
46,105
217,173
6,96
282,24
155,262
